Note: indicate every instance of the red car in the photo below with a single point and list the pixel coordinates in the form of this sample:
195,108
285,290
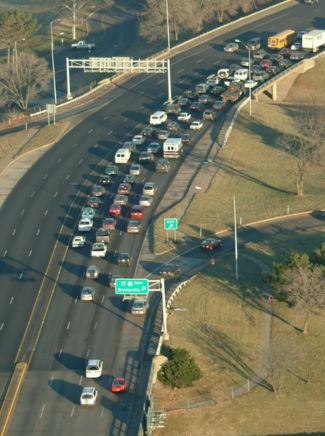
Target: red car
265,63
124,188
115,209
286,52
136,213
119,385
210,244
109,223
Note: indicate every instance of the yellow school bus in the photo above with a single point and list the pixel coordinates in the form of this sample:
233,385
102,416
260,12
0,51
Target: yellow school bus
281,39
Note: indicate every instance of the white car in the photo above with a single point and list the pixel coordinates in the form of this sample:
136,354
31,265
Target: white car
184,116
139,306
88,212
94,368
98,249
223,73
88,396
135,169
145,200
78,241
87,293
138,139
196,125
149,188
212,80
250,83
85,225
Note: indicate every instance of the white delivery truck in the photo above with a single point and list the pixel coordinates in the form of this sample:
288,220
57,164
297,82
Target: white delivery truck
313,40
172,148
122,155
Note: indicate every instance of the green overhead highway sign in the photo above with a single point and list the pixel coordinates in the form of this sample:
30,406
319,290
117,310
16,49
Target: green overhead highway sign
131,286
170,224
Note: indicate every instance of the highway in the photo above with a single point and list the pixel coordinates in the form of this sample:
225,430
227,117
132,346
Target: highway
50,195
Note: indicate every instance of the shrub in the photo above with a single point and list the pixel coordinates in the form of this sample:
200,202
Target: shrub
180,370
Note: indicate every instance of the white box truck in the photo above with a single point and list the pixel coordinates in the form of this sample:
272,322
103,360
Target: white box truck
313,40
172,148
122,155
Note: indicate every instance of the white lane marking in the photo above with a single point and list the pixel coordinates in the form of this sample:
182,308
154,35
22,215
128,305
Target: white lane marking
59,160
68,326
161,81
121,233
95,326
143,179
181,81
269,21
199,60
103,298
21,275
60,352
42,411
51,379
5,253
88,352
46,212
1,327
22,212
30,253
67,177
90,131
80,380
11,300
81,160
13,232
76,299
74,146
45,177
111,131
101,412
96,145
180,71
38,232
106,118
72,412
32,194
55,194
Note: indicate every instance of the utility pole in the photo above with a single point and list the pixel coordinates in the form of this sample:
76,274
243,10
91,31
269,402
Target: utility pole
53,65
236,245
167,22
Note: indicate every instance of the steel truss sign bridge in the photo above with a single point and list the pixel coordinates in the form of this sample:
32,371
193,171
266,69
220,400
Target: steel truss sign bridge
119,65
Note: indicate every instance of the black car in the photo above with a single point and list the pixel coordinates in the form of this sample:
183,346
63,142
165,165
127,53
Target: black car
170,270
111,170
217,90
197,106
173,126
128,179
162,165
148,132
123,259
104,179
93,201
285,63
186,138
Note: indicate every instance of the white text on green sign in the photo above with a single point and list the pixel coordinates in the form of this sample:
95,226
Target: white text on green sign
131,286
170,224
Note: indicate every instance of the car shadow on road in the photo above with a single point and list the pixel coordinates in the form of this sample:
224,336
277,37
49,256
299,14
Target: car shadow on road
71,362
67,390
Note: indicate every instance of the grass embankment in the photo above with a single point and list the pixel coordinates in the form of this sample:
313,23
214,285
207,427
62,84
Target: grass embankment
254,169
222,331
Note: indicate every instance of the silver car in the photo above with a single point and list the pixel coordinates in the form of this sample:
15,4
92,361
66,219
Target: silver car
135,169
92,272
149,188
145,200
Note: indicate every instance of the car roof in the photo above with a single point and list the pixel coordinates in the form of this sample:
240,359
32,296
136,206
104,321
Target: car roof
93,362
88,390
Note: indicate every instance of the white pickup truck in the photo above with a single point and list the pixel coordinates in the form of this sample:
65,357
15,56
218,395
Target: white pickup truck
83,45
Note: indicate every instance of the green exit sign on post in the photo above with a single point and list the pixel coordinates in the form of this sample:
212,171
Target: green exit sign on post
131,286
170,224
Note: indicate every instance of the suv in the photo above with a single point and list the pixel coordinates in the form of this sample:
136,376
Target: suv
123,259
162,165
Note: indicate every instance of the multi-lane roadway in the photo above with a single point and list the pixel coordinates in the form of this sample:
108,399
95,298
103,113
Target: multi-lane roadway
41,214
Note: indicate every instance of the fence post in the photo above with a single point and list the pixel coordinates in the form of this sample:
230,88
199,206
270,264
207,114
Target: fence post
248,386
232,392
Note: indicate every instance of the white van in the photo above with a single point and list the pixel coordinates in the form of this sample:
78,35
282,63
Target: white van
158,118
172,148
122,155
241,74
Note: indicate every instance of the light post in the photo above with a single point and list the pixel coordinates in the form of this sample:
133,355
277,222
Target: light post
236,243
53,65
249,73
167,22
198,190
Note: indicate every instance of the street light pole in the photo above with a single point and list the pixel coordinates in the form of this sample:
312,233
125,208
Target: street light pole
236,244
53,65
249,73
167,22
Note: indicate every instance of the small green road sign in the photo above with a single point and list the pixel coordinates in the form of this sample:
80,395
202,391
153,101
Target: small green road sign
131,286
170,224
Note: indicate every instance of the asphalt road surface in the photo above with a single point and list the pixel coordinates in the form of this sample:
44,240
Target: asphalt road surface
44,208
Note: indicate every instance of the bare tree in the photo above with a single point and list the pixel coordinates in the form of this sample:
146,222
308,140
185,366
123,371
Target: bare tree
304,288
283,352
305,145
24,80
